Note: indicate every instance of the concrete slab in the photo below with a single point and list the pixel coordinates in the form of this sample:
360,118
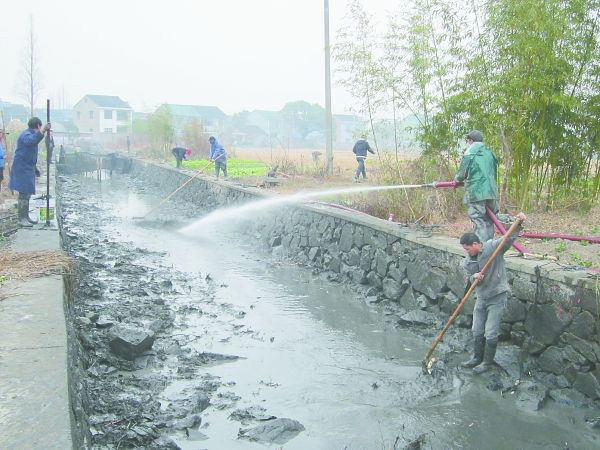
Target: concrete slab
34,404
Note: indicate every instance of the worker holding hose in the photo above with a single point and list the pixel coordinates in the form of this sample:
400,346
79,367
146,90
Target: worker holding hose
478,170
492,295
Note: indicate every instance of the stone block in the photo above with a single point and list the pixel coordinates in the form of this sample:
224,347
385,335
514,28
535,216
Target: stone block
584,326
515,310
366,257
353,257
396,274
346,237
314,237
359,236
546,322
556,359
426,279
373,279
314,253
129,342
392,289
457,280
590,350
524,288
419,318
383,261
587,383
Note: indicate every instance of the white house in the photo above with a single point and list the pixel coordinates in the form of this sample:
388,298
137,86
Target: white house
103,114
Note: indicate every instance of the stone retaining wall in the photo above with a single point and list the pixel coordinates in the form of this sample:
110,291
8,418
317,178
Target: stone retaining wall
552,314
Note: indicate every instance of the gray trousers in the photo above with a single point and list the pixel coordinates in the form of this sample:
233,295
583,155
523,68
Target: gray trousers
487,316
220,166
361,168
482,224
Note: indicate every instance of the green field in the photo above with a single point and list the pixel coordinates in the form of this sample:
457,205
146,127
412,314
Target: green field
235,167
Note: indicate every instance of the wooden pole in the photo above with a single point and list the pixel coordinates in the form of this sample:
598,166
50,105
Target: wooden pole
48,156
428,363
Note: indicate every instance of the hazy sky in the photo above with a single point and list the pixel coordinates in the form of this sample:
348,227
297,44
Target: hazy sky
235,54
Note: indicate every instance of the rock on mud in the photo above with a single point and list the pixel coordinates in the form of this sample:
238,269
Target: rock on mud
277,431
250,413
418,317
129,342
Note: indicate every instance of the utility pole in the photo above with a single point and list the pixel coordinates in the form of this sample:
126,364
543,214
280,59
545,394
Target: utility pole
328,119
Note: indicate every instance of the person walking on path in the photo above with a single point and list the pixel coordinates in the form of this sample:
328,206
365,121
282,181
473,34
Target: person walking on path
179,154
492,295
24,170
219,156
478,169
360,149
2,141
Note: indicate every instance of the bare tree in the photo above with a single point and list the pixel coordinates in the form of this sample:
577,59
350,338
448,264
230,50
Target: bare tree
30,77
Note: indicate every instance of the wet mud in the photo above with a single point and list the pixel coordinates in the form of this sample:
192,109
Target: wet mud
208,342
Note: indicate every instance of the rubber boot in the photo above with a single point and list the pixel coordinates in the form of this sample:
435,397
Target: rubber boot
478,345
26,207
22,211
488,359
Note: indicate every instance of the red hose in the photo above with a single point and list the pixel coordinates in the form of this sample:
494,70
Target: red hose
447,184
569,237
502,230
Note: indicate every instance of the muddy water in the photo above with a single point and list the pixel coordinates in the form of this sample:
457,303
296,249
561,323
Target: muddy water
312,351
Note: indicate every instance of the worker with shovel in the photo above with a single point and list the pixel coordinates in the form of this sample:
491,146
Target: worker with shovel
478,170
492,294
179,154
24,169
219,156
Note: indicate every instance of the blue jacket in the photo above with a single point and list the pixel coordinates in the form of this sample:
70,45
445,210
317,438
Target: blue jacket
1,156
22,174
361,148
217,152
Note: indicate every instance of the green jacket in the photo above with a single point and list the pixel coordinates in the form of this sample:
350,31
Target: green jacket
478,170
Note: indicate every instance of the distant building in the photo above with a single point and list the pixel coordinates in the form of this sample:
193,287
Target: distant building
211,117
100,114
12,111
345,129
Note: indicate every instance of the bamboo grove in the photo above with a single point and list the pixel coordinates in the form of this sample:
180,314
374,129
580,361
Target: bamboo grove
525,72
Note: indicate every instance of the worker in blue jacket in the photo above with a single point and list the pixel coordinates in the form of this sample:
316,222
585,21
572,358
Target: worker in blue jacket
218,155
24,170
360,149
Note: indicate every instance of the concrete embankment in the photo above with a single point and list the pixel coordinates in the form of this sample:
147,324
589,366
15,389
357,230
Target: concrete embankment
552,317
34,401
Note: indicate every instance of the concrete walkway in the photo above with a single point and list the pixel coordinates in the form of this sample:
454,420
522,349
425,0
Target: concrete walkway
34,400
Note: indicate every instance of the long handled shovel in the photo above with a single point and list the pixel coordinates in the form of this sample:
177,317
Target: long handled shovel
162,202
429,360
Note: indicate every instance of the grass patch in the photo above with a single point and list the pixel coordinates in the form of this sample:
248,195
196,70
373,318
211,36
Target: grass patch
236,168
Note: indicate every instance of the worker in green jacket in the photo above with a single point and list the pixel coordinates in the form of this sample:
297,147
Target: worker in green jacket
478,170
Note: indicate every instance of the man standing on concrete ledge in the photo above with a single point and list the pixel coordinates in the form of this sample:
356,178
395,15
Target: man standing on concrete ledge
492,294
219,156
24,170
478,170
360,149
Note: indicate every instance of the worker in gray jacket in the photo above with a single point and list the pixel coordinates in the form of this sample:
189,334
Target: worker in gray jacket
492,294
